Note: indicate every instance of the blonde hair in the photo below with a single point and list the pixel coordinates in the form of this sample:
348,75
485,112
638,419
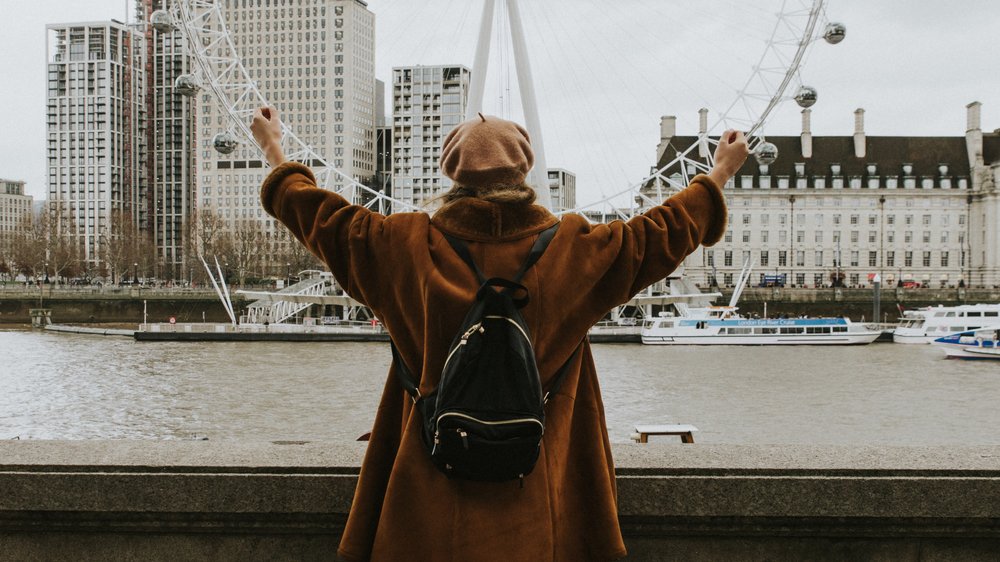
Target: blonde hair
521,193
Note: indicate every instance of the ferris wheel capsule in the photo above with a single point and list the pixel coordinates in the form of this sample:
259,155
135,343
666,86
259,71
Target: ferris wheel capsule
766,153
806,96
834,32
186,85
162,21
225,142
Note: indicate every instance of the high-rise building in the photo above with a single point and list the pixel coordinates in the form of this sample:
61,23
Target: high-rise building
428,101
14,205
315,61
562,189
170,159
96,130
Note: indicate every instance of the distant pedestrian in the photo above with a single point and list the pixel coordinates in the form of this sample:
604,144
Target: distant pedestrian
404,270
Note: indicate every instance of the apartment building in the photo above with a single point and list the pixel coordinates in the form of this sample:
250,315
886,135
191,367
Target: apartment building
14,205
428,101
96,141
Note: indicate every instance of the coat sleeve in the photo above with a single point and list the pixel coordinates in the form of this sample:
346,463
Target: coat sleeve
650,246
339,233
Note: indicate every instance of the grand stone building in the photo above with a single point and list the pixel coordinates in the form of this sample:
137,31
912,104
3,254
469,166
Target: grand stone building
914,210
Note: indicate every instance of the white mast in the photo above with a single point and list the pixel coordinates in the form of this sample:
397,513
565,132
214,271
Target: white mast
538,177
481,62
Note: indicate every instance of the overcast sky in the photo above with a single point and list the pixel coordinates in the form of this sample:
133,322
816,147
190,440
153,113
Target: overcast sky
605,71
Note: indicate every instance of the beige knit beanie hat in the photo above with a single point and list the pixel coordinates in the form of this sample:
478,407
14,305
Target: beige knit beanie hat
486,151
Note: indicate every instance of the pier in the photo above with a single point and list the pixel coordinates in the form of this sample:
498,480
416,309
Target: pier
288,500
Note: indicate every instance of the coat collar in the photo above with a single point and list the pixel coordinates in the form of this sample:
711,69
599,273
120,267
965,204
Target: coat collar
474,219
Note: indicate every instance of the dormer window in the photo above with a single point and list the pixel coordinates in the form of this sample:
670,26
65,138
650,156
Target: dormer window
943,169
800,168
908,169
835,169
872,169
763,169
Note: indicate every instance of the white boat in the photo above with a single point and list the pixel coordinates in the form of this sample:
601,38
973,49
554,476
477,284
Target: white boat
925,325
983,343
722,325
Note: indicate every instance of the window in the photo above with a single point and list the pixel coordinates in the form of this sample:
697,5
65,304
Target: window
746,219
836,219
817,280
764,257
944,259
927,237
908,259
746,236
890,259
927,259
908,219
872,259
819,236
782,258
763,236
908,236
818,258
854,258
727,258
854,219
854,236
709,257
800,258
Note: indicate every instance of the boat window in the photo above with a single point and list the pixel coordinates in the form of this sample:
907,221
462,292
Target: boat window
767,330
990,313
740,330
839,329
791,330
940,314
975,314
949,315
953,329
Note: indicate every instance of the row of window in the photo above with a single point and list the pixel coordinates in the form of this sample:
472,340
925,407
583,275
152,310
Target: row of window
819,235
764,258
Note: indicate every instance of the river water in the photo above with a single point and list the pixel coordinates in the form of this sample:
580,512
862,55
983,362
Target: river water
65,386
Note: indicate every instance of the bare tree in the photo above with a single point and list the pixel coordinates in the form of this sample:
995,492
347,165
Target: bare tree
27,247
119,248
61,250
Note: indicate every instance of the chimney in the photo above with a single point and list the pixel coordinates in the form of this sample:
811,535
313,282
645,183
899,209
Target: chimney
974,143
703,151
668,128
807,137
859,133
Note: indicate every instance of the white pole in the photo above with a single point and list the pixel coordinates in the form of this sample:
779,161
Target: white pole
538,177
225,290
481,62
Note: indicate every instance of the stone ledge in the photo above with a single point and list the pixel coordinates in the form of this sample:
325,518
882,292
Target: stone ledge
288,500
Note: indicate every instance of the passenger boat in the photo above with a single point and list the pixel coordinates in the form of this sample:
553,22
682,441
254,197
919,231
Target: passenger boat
722,325
983,343
752,331
925,325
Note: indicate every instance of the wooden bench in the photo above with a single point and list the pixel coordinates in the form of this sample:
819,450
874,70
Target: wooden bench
685,431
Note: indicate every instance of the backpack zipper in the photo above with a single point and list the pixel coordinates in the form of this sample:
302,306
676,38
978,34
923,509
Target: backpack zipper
464,340
485,422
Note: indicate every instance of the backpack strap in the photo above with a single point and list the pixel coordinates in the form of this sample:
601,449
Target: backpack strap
537,249
404,374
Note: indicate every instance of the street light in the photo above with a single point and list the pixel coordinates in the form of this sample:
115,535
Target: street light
288,274
135,273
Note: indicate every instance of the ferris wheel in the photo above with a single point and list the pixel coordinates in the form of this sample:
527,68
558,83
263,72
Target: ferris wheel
787,28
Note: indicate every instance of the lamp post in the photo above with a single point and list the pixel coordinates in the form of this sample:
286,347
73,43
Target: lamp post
135,273
791,242
288,274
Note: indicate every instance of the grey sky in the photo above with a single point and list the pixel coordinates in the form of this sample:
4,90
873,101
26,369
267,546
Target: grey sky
605,71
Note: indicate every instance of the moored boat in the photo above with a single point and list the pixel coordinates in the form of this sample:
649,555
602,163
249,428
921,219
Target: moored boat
764,331
983,343
925,325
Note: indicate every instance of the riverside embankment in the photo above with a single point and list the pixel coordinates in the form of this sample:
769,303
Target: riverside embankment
288,500
129,304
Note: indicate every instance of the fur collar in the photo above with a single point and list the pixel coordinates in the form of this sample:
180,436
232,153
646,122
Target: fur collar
474,219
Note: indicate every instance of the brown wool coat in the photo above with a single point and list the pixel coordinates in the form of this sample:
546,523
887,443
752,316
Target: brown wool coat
404,270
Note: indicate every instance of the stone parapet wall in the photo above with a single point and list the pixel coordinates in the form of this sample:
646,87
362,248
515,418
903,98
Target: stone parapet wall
200,500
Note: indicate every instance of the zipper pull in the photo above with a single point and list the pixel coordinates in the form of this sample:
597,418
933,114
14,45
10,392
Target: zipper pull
465,438
437,441
477,326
